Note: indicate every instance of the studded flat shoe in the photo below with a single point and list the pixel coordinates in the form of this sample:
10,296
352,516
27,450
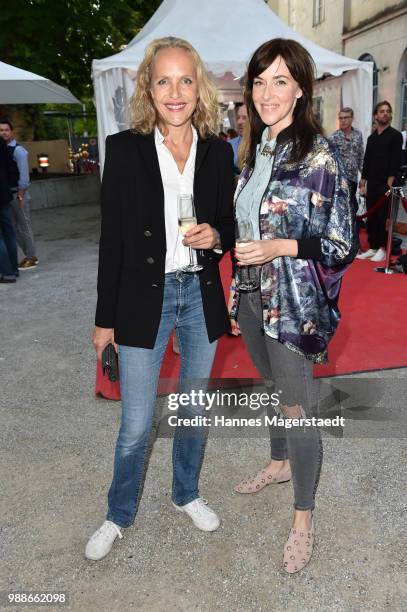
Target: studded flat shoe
261,480
298,549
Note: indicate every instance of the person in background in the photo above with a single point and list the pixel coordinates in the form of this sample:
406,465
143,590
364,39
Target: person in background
231,134
21,197
241,118
293,192
144,290
8,245
381,164
349,142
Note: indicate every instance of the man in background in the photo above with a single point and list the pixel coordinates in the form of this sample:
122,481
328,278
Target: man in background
8,246
381,164
349,143
241,118
21,198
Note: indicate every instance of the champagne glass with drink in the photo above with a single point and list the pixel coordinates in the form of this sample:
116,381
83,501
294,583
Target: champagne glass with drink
186,220
247,276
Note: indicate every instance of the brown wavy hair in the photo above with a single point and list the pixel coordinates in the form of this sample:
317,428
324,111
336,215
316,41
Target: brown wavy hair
305,124
143,114
380,104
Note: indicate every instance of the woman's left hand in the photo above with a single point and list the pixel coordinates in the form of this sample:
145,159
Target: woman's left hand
259,252
201,236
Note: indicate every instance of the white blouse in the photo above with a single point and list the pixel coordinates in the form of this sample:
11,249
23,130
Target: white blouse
175,183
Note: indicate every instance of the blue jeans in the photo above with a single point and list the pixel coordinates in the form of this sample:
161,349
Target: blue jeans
8,244
139,372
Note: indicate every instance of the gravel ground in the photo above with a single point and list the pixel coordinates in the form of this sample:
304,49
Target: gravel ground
56,461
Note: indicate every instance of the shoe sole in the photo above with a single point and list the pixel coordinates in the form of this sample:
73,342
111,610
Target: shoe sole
88,556
30,268
261,488
95,558
179,508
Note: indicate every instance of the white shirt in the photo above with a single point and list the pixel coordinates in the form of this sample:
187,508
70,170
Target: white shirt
175,183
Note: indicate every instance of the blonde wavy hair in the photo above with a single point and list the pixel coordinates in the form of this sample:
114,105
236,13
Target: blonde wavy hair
143,115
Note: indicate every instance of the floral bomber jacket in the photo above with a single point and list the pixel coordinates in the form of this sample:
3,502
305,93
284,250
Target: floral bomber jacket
304,200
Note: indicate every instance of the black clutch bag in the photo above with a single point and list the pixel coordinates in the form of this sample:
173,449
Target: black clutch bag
110,363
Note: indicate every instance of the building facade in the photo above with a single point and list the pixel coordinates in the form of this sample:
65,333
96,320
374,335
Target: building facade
370,30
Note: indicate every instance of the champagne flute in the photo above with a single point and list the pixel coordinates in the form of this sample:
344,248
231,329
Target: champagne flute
248,276
186,220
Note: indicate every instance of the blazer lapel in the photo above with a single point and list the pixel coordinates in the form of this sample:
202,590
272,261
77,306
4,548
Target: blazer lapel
149,156
148,153
202,147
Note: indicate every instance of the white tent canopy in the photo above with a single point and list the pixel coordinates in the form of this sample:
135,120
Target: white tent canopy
225,33
21,87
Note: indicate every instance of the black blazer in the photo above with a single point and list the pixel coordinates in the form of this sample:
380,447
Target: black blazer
133,243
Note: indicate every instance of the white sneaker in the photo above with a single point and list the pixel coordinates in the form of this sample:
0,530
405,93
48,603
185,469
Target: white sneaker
102,540
366,254
201,514
380,255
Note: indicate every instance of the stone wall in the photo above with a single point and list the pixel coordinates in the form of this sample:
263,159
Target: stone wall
65,191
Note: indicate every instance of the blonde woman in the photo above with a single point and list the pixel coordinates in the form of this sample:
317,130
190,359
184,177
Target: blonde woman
143,292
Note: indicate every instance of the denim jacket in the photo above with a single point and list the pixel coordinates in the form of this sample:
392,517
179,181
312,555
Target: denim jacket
307,201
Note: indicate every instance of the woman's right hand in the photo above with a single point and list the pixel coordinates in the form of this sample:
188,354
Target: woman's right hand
101,338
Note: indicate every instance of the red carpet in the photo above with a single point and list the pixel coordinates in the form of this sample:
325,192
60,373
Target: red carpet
372,334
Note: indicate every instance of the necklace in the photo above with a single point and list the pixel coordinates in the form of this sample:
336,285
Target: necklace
267,151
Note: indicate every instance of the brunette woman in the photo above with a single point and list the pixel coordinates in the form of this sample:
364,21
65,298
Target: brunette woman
293,192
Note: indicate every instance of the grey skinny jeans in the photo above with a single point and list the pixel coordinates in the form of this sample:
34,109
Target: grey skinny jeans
293,375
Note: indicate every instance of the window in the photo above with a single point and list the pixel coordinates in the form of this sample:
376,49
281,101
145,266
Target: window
318,107
366,57
318,12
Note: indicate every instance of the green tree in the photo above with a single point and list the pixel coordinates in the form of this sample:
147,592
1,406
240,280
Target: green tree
58,39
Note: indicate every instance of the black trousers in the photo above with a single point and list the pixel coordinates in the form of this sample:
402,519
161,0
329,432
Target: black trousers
376,223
